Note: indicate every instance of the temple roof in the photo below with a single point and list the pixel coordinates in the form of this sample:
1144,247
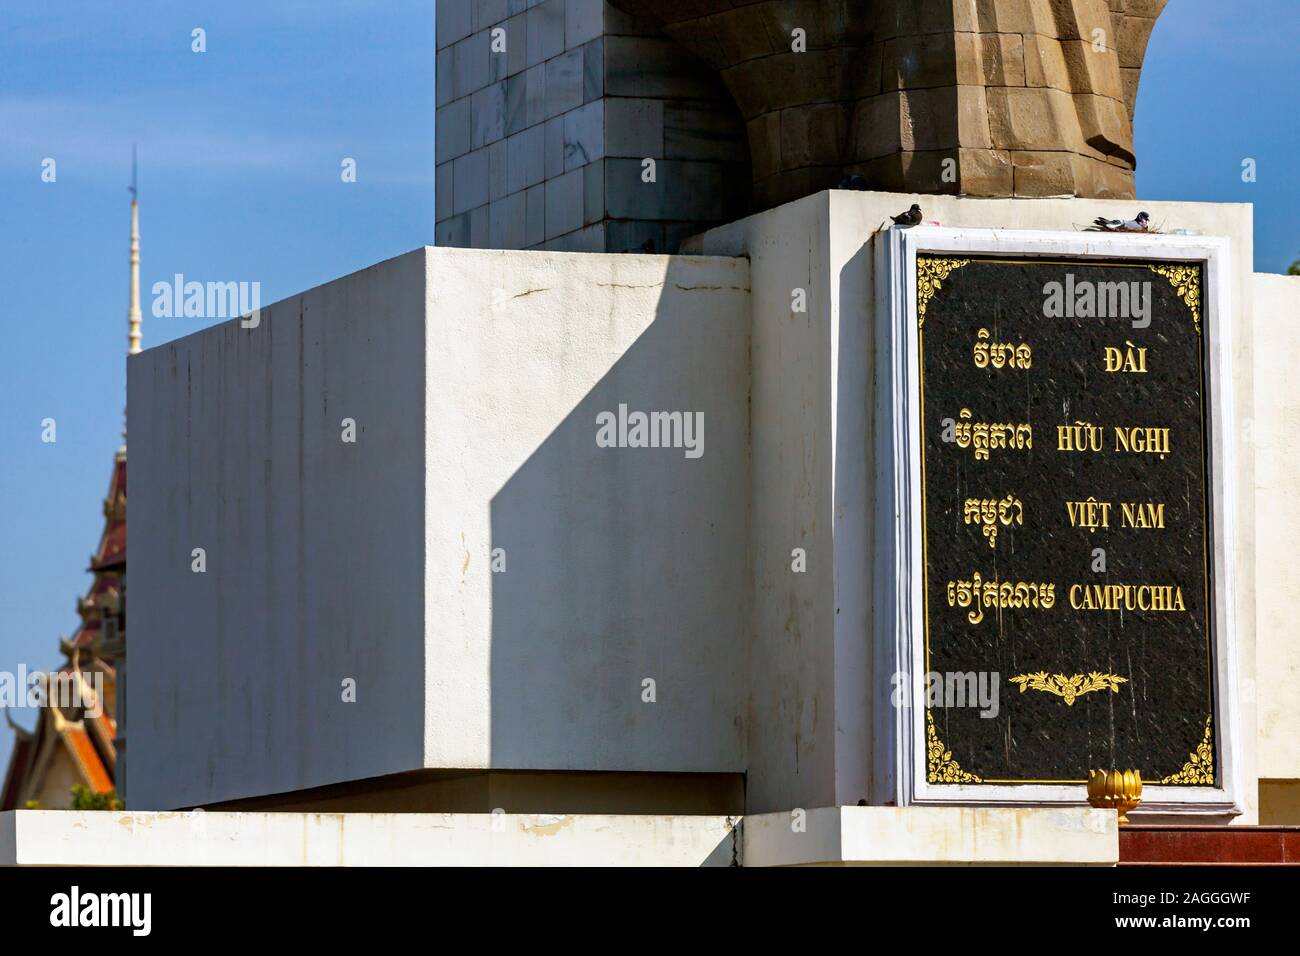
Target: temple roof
107,564
19,762
88,741
112,543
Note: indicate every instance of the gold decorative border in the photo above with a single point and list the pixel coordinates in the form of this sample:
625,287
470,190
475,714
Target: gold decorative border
1186,280
1069,688
930,276
1199,768
941,767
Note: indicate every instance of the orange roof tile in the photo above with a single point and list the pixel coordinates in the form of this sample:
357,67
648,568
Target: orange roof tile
83,751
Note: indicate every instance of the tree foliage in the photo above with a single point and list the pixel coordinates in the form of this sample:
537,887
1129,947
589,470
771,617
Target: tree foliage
85,799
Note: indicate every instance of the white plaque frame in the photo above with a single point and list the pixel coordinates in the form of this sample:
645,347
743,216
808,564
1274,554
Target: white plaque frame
900,762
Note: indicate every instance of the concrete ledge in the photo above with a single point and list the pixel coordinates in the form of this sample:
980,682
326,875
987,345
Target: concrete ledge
199,838
824,836
917,836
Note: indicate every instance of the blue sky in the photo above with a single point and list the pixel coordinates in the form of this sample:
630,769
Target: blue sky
240,152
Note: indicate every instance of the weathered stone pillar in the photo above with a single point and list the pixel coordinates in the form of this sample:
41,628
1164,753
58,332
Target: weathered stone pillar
978,97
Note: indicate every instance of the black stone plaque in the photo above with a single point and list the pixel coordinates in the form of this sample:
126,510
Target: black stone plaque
1066,534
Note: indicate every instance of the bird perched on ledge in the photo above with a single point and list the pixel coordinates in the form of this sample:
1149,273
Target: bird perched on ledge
1141,224
910,218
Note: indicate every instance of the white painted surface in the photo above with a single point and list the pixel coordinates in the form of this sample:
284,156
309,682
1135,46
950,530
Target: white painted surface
820,701
199,838
1276,433
829,835
799,743
312,546
915,836
623,565
475,379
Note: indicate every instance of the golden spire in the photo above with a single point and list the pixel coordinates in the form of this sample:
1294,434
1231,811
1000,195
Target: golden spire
133,312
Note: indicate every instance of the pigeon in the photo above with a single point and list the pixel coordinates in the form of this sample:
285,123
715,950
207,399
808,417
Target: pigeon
1141,224
854,182
910,218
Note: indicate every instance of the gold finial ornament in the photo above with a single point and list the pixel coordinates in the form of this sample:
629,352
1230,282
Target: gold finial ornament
1119,790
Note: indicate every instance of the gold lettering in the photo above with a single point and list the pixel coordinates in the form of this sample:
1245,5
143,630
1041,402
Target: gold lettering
1000,354
1140,439
1126,597
1081,436
1142,514
979,594
1090,513
987,512
1128,359
981,349
985,437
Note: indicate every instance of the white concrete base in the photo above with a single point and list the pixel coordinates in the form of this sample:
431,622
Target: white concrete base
477,582
475,379
930,836
199,838
825,836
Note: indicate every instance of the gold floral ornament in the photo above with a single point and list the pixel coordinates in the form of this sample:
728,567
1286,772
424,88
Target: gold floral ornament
1186,280
1070,688
1199,768
930,276
942,768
